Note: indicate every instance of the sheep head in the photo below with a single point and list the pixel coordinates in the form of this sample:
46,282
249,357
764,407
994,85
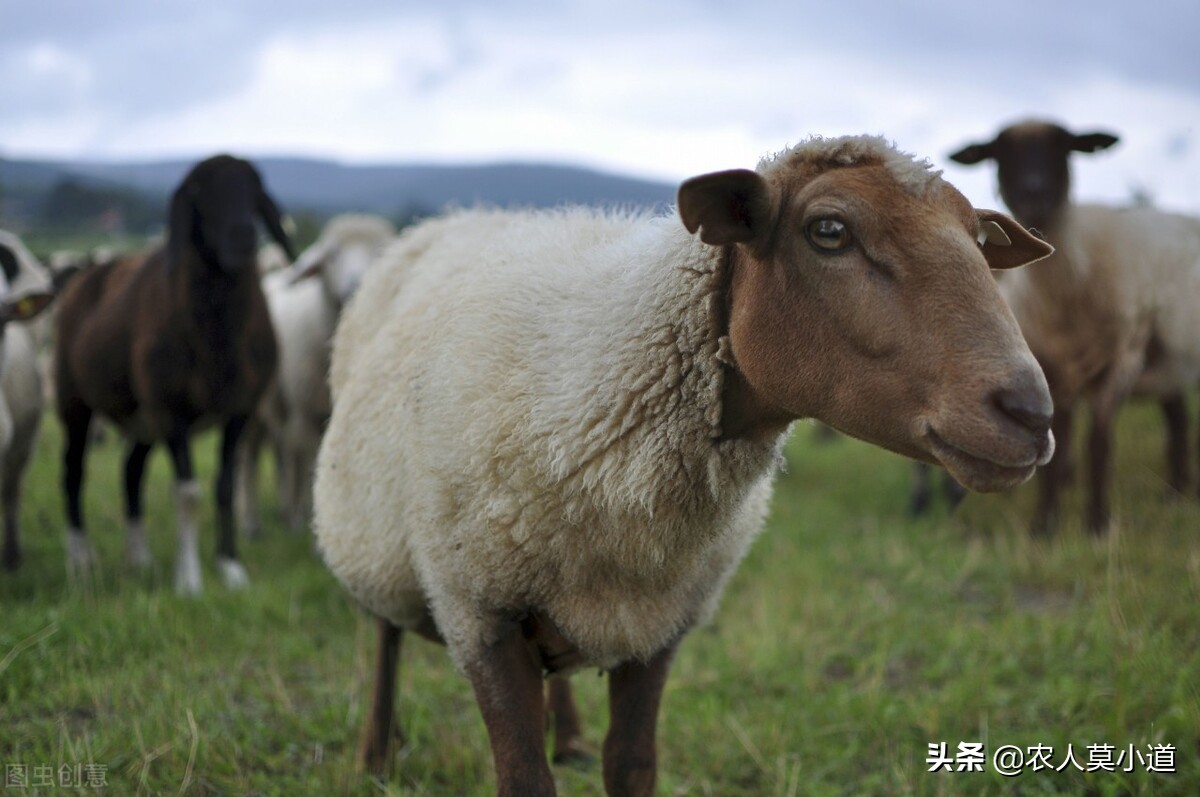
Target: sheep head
1032,163
861,294
213,212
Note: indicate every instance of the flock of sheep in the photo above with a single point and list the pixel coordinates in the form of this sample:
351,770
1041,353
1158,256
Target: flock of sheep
546,439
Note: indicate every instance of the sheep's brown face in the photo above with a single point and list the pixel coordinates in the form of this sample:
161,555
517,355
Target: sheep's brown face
1032,165
858,303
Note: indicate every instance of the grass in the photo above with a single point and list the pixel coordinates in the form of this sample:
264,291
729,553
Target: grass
851,639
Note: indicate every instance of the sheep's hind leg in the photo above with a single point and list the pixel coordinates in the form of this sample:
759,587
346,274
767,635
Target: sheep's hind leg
81,558
507,679
381,732
1174,409
232,571
569,747
634,693
137,549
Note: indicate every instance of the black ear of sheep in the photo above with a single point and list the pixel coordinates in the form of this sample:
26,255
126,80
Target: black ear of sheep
272,218
8,261
181,222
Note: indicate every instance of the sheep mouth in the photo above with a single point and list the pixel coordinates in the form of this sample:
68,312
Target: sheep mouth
988,473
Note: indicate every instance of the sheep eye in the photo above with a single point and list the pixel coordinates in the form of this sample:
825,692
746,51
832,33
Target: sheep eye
828,235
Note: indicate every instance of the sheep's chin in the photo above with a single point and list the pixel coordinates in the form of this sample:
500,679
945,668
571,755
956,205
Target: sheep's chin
975,472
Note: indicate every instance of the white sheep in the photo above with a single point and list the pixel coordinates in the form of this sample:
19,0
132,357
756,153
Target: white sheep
304,312
554,434
21,396
1111,313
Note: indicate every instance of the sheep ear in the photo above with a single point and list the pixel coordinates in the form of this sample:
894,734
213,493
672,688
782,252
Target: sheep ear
310,264
8,261
271,217
726,207
181,220
1006,244
25,306
974,153
1091,142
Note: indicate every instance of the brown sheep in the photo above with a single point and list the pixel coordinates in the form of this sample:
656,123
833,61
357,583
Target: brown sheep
166,344
1111,313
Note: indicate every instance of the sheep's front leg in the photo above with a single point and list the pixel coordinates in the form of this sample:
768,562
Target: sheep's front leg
232,571
1054,475
507,680
137,548
188,578
634,693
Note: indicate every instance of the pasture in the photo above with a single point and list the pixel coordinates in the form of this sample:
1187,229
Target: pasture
851,639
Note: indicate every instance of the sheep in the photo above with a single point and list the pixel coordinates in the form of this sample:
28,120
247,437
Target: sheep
304,312
1112,313
21,399
166,344
554,433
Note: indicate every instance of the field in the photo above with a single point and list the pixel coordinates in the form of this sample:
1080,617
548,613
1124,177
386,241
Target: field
850,641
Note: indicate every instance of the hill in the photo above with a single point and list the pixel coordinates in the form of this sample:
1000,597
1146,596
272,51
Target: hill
324,186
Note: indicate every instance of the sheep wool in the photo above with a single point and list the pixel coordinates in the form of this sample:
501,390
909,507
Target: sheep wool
527,413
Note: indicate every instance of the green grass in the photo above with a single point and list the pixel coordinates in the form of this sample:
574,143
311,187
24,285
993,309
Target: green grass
850,639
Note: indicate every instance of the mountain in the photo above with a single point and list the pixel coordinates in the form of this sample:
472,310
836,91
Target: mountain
324,187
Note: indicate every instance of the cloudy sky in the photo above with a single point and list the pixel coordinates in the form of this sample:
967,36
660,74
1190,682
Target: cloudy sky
664,89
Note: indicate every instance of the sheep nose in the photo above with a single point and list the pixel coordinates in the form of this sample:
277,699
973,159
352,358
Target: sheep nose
1028,403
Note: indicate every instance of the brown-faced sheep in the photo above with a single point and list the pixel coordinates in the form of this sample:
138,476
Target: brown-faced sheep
166,344
554,434
1111,313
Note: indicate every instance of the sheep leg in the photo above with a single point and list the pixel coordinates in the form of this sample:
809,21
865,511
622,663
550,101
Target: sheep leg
1054,475
232,571
507,679
1100,445
955,492
10,494
634,692
137,550
381,732
921,494
569,747
188,578
1174,409
80,556
246,499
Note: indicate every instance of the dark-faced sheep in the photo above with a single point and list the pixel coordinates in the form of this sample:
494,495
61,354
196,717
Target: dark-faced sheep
554,434
166,344
1113,312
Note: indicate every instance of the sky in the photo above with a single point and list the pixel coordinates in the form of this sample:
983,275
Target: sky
663,90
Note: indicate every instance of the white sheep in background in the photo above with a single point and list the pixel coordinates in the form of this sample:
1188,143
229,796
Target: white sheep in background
305,312
21,396
1114,311
554,434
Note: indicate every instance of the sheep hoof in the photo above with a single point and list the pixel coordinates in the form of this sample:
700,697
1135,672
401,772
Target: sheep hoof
81,557
188,580
137,550
233,573
574,758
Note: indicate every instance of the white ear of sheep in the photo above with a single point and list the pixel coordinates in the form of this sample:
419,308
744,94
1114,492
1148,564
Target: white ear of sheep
309,264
